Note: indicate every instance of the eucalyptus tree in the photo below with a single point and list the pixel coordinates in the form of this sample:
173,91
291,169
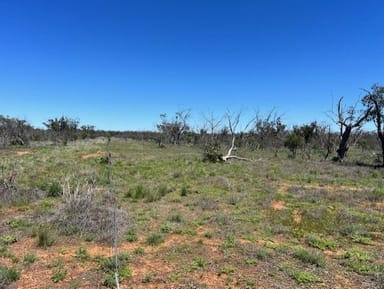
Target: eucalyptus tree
374,101
62,129
173,130
14,131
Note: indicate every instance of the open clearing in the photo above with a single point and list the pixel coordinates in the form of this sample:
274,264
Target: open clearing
185,223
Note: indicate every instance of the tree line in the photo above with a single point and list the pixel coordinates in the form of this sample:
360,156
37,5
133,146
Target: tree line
221,136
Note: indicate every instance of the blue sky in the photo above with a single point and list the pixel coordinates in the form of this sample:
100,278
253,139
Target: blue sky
120,64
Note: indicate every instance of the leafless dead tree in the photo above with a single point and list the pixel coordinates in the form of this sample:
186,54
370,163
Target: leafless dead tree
233,122
347,120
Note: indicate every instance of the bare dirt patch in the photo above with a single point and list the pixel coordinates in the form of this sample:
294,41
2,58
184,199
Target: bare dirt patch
93,155
278,206
22,153
297,216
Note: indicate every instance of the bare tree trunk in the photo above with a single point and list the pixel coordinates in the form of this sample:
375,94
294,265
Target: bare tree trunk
343,146
233,121
348,122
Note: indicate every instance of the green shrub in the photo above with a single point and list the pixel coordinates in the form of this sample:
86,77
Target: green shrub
139,192
176,218
377,195
108,266
29,258
109,280
45,238
212,152
59,274
138,251
54,190
131,235
18,223
309,257
305,277
104,160
82,253
163,190
227,269
320,243
360,262
184,192
155,239
8,276
165,228
8,239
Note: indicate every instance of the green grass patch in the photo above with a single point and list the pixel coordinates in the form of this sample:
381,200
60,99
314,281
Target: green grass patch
309,257
8,276
303,277
155,239
29,258
321,243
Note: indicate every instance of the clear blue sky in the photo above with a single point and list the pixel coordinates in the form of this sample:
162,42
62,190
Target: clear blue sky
120,64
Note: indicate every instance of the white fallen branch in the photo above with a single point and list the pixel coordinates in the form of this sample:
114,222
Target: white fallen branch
229,155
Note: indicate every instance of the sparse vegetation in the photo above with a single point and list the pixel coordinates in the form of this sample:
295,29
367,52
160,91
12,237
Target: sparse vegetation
305,277
59,274
30,258
155,239
108,266
321,243
309,257
266,223
82,254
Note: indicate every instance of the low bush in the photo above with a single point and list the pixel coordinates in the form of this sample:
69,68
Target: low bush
155,239
310,257
8,276
29,258
82,213
305,277
108,266
45,237
54,190
320,243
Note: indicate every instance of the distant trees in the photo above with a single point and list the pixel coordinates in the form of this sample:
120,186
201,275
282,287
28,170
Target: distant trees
325,140
269,132
14,131
374,101
220,136
293,142
173,130
62,129
301,137
87,131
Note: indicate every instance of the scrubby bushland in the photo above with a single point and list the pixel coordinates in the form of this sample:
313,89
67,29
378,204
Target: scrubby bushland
83,213
62,129
14,131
